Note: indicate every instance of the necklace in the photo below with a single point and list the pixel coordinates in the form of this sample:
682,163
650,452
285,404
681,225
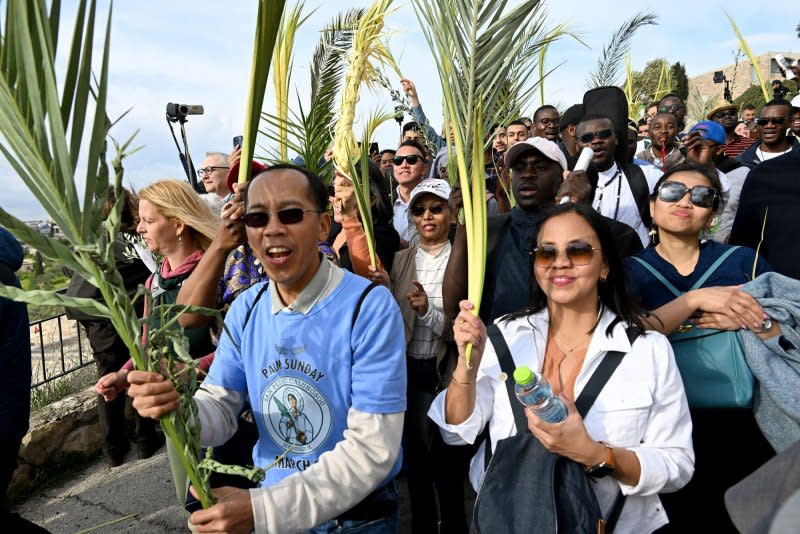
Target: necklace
762,158
571,349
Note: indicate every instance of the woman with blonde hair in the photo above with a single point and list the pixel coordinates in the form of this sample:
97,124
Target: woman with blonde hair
177,226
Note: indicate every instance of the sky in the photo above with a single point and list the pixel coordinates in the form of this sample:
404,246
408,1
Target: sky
199,52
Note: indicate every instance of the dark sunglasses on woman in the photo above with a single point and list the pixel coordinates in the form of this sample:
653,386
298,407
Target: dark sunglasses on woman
259,219
578,253
700,195
419,211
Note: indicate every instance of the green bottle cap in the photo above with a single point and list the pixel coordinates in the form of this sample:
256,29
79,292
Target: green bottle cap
523,374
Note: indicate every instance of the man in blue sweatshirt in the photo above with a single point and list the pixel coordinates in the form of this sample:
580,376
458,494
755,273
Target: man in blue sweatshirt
317,353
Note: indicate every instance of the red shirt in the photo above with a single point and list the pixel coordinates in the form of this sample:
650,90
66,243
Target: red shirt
737,146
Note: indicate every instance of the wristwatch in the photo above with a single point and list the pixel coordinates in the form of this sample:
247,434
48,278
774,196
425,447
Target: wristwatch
604,468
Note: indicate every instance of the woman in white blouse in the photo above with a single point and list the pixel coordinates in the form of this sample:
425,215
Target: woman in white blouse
580,311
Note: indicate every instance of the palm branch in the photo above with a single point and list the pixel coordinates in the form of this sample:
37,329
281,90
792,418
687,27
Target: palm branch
282,69
476,45
309,130
608,64
744,47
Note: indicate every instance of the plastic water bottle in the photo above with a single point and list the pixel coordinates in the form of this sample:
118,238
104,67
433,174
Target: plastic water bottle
533,390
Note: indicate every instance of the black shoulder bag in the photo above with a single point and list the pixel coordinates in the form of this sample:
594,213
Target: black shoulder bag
526,488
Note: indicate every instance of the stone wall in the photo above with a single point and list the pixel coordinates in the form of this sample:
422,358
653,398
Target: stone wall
64,429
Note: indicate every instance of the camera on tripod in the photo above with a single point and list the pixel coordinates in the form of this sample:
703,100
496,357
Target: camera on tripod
178,112
719,77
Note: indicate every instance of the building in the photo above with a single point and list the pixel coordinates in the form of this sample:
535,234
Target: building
740,77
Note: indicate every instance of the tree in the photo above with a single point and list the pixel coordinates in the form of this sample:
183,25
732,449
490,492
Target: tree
654,82
680,82
38,264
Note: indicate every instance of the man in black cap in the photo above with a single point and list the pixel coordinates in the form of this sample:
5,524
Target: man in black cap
726,117
567,125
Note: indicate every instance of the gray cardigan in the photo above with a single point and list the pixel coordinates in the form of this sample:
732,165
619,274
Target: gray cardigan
776,361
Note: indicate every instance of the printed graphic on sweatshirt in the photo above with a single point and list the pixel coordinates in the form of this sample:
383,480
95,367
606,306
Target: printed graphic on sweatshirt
296,414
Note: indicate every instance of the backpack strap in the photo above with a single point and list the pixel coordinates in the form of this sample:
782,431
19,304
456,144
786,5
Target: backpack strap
361,299
506,366
640,190
252,307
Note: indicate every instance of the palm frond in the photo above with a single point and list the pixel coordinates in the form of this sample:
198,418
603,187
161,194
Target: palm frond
608,64
267,21
475,45
744,47
282,68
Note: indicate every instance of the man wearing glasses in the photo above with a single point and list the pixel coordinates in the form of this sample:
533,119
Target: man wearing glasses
409,166
315,348
772,121
212,172
726,117
623,189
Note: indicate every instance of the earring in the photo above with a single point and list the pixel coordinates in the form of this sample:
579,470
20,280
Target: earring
603,278
180,239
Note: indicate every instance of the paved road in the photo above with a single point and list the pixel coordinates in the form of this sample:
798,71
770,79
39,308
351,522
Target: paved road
102,494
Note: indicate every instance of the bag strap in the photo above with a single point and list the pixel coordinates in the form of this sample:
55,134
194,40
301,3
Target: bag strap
658,276
714,266
700,281
507,366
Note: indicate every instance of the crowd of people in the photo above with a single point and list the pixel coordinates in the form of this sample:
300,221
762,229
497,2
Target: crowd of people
343,374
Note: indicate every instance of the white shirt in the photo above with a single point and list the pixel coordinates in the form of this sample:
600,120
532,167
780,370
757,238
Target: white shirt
428,329
400,219
642,408
610,183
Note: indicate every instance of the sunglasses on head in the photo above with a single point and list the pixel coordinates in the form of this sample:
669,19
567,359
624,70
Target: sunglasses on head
411,159
602,134
670,109
259,219
777,121
700,195
578,254
419,211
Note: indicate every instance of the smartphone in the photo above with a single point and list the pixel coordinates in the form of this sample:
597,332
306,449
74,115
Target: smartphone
237,141
373,148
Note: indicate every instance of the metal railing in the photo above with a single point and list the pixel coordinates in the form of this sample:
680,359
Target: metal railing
59,346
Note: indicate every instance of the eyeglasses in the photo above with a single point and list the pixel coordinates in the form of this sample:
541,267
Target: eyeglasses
411,159
208,170
602,134
700,195
670,109
419,211
259,219
725,113
578,254
777,121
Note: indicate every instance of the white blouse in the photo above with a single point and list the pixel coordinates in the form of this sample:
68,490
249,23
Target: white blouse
642,408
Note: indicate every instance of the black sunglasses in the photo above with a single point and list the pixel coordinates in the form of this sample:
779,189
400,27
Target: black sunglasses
259,219
777,121
726,113
419,211
602,134
700,195
411,159
578,253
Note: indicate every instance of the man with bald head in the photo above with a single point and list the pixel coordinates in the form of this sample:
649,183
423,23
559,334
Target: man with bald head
316,351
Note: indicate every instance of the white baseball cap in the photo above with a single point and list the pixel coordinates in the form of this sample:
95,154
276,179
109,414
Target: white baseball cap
547,148
434,186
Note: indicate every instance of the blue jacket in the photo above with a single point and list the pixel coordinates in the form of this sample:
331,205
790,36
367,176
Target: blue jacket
776,361
15,356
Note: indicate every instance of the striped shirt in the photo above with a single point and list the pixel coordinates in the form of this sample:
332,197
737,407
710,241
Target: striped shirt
428,328
737,146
